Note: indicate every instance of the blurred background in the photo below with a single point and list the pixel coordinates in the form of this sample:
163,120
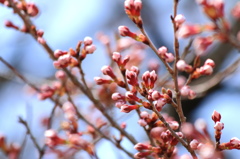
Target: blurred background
67,22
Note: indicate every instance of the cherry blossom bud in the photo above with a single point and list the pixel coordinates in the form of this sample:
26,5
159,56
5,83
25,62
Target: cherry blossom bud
60,75
123,31
41,40
101,81
194,144
127,108
132,96
117,96
191,94
156,95
185,90
183,66
216,117
206,70
201,44
162,50
160,103
40,33
174,125
141,146
135,69
90,49
87,41
138,4
125,60
11,25
179,19
117,57
132,78
32,9
144,115
235,141
119,103
107,70
58,53
169,57
186,31
141,155
210,62
218,126
156,132
142,122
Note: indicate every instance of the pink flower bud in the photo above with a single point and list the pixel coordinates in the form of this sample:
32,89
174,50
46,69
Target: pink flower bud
132,78
206,70
107,70
179,19
11,25
127,108
144,115
135,69
117,96
41,40
87,41
218,126
183,66
156,95
142,122
156,132
32,9
174,125
185,90
60,75
138,4
123,31
132,96
210,62
90,49
191,94
216,116
235,141
40,33
160,103
186,31
50,133
141,155
116,57
169,57
162,50
194,144
101,81
58,53
141,146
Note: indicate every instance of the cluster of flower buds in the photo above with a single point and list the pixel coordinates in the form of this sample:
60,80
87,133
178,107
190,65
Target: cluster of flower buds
216,117
133,9
213,9
120,99
70,114
125,31
163,138
47,91
162,52
159,100
206,69
12,151
107,70
73,140
88,47
117,57
187,92
65,59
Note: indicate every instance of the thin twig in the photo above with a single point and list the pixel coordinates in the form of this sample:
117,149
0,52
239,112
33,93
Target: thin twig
40,151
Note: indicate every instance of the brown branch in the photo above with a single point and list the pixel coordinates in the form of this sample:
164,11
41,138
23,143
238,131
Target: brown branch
40,151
